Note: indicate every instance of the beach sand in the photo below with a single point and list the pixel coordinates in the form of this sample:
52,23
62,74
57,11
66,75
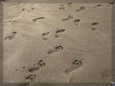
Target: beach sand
43,41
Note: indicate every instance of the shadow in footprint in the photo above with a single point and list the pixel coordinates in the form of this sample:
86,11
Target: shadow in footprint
69,17
55,49
31,77
44,36
58,32
76,21
75,65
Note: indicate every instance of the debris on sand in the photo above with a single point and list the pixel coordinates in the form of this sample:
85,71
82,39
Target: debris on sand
69,17
44,35
76,21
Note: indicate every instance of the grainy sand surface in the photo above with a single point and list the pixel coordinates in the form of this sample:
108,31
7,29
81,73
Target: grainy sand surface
62,37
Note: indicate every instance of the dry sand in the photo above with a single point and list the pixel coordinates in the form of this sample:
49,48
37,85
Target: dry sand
27,41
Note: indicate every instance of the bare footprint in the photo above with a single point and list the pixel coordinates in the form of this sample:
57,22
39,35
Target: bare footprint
39,66
94,24
36,19
69,17
55,49
59,31
62,7
80,9
31,77
99,5
44,35
69,4
11,36
76,21
75,65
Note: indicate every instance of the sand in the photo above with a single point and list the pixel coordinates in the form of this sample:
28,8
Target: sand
32,30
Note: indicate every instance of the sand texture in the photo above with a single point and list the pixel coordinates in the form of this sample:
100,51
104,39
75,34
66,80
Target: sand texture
57,43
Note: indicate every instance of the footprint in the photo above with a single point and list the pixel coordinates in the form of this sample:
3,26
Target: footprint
31,77
38,19
55,49
44,35
75,65
94,24
76,21
62,7
80,9
11,36
69,4
39,66
69,17
59,31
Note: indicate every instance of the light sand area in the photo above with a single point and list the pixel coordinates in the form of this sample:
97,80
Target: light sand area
27,42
